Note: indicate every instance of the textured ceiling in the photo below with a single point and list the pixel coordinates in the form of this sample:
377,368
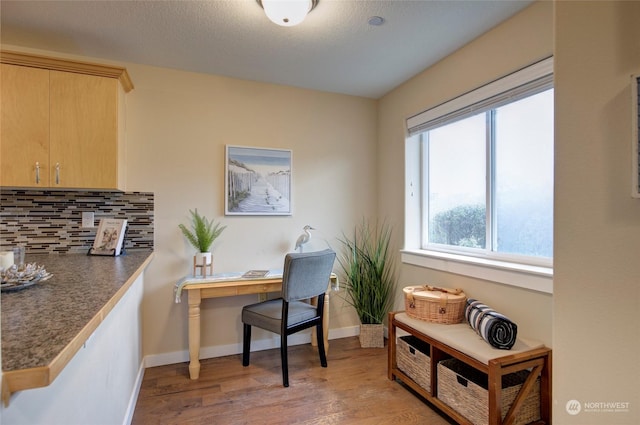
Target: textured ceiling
334,49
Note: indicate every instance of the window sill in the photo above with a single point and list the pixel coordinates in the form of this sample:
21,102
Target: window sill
534,278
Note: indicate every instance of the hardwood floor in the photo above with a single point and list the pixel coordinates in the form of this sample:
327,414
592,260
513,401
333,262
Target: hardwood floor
353,389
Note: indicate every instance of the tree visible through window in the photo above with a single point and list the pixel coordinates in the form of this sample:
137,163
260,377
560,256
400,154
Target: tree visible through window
489,180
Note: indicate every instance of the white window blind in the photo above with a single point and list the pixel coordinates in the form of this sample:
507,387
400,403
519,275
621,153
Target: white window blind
527,81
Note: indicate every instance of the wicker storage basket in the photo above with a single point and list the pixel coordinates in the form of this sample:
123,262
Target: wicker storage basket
412,357
432,304
464,389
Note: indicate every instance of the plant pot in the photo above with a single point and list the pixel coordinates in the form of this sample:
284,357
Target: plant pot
204,258
372,336
203,263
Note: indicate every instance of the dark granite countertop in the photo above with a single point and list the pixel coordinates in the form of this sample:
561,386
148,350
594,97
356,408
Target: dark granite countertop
41,322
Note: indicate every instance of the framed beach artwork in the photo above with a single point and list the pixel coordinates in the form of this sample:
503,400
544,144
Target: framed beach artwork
257,181
635,135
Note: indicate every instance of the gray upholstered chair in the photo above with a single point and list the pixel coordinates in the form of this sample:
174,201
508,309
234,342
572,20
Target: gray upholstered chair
305,275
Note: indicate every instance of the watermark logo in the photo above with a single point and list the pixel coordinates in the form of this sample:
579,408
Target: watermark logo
573,407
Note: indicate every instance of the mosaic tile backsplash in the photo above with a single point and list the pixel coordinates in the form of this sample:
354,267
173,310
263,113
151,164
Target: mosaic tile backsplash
49,221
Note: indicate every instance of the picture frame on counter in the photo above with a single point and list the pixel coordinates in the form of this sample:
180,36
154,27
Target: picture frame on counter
109,238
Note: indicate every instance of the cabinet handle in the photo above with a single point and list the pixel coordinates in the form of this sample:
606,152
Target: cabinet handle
37,172
57,173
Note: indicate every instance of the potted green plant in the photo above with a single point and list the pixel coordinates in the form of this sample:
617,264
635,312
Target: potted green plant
201,235
370,278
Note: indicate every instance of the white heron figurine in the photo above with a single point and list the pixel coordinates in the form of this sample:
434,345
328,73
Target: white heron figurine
304,238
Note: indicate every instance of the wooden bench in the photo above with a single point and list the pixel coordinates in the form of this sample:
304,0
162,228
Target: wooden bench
461,342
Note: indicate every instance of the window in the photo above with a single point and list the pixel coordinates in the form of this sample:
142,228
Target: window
480,172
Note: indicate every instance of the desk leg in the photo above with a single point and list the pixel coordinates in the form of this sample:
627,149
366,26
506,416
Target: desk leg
325,324
194,333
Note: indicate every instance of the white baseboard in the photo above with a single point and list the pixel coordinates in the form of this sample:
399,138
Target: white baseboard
131,408
231,349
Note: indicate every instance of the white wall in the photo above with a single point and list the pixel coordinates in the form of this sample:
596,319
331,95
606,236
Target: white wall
514,44
178,126
179,123
99,385
591,320
596,329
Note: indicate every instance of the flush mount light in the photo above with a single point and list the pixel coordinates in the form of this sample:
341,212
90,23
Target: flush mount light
287,13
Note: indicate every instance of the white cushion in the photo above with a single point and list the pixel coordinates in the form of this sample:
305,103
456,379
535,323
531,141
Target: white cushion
463,338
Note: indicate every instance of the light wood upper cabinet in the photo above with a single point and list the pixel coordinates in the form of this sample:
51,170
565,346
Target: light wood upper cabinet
62,123
24,126
83,131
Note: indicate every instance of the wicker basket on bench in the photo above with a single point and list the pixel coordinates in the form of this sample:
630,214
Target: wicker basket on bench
465,390
413,359
433,304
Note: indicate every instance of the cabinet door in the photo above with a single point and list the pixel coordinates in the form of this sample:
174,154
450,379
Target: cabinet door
84,131
24,126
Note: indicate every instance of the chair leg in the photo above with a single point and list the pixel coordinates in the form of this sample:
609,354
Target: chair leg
246,345
285,361
320,338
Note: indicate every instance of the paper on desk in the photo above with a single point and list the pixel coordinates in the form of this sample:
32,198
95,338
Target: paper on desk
217,277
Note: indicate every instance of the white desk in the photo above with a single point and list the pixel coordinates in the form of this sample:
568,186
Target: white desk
220,285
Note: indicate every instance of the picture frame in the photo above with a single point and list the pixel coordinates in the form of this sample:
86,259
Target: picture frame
635,135
257,181
109,237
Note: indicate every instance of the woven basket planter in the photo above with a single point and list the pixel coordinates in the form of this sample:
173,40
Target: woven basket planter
372,336
465,390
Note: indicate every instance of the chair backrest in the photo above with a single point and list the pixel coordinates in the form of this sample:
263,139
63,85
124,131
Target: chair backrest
306,275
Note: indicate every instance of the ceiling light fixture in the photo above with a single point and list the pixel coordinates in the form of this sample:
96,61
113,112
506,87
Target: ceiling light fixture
287,13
